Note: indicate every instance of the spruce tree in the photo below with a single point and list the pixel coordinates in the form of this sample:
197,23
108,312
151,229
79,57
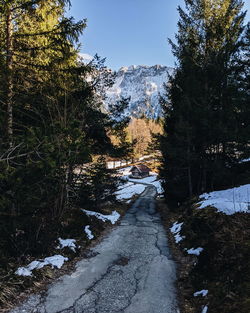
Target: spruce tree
200,118
57,123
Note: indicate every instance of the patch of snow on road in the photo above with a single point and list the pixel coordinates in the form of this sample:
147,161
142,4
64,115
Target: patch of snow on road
147,180
129,190
54,261
70,243
175,229
205,309
196,251
135,186
88,232
113,217
151,180
228,201
202,293
125,185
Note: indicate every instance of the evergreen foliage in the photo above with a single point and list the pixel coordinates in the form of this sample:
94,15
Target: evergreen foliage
205,107
98,186
51,122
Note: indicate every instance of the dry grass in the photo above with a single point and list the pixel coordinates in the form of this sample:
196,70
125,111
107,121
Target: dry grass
14,289
223,267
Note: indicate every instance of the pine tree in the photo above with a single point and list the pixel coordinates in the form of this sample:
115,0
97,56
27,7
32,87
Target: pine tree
98,186
57,123
200,116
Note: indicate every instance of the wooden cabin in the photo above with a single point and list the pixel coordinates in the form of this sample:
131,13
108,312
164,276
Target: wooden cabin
139,171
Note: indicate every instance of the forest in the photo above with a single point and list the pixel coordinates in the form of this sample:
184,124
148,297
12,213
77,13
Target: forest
56,136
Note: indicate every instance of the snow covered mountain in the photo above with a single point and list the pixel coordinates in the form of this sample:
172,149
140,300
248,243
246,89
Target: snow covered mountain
143,84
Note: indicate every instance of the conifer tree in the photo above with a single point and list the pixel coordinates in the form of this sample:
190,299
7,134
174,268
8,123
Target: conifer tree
200,116
51,120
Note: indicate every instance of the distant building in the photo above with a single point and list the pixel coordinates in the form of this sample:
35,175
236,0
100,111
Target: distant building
139,171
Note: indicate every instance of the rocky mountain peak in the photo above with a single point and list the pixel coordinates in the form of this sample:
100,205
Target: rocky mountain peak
143,85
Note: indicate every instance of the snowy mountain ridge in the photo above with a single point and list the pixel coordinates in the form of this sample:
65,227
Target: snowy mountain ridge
143,85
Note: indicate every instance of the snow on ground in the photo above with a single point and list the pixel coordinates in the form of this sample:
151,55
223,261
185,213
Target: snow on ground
125,185
70,243
175,229
88,232
125,171
196,251
54,261
158,186
244,160
147,180
129,190
205,309
228,201
202,293
113,217
152,179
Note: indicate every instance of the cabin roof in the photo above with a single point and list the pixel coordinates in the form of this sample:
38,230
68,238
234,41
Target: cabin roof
142,168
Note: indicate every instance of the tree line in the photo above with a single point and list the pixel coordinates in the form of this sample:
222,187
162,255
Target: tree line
207,105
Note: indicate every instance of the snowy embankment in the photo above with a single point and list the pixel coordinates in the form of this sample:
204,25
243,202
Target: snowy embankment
228,201
221,226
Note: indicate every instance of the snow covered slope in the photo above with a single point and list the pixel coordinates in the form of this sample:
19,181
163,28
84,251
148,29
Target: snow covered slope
142,84
228,201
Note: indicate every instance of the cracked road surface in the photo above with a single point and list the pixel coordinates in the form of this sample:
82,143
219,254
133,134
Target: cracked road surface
130,271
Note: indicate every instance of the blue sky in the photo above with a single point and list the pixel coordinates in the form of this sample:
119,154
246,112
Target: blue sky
129,32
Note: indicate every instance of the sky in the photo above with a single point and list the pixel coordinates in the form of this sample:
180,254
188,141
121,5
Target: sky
129,32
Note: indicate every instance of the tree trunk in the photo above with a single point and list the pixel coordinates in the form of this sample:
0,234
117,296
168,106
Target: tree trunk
9,76
190,186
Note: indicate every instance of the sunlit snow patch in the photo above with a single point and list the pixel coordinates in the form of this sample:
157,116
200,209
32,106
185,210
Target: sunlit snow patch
70,243
113,217
175,229
88,232
228,201
54,261
202,293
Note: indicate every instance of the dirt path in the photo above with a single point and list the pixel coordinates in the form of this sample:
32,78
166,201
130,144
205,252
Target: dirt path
130,271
